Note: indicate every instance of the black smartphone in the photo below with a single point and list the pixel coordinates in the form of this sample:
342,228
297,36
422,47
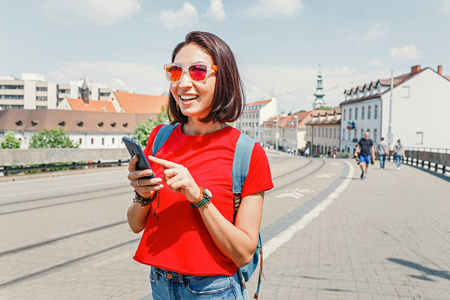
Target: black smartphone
135,149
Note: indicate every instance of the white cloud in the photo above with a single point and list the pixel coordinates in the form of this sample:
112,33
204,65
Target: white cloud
376,62
187,15
405,52
103,12
378,30
274,8
444,8
140,78
215,11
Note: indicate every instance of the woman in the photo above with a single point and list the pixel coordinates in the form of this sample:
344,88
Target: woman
399,152
189,239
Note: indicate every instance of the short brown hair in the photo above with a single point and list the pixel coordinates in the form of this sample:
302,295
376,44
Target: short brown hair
228,98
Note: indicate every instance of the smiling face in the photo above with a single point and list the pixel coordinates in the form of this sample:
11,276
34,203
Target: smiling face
193,97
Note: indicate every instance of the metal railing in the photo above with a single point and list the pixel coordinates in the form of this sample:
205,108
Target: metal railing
436,159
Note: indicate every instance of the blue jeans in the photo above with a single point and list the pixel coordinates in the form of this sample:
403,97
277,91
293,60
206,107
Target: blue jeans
170,285
382,160
398,160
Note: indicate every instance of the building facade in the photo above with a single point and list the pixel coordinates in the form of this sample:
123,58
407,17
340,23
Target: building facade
323,130
32,91
253,116
418,115
92,130
288,132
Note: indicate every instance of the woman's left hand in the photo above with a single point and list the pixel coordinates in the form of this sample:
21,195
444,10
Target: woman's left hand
178,178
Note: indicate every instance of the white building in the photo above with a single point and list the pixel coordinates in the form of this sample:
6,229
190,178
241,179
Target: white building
419,113
32,91
254,114
92,130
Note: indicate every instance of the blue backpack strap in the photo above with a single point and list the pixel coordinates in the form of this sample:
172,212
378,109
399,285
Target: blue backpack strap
241,165
162,136
241,161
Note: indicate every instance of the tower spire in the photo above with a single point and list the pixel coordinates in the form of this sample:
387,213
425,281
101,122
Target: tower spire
319,101
85,91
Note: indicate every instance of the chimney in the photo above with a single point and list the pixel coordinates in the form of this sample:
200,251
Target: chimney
440,70
415,69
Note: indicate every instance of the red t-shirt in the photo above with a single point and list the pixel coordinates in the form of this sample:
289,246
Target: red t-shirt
179,240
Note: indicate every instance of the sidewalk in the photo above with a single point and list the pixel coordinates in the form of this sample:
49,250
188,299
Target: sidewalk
387,237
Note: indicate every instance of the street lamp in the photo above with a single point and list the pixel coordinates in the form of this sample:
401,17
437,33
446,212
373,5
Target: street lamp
277,135
296,135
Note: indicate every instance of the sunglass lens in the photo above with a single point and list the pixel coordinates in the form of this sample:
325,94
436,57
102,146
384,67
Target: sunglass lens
173,73
198,72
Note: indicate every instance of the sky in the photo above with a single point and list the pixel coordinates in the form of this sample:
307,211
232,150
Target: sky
278,44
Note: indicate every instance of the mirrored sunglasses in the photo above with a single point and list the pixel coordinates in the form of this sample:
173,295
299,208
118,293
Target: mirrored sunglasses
196,71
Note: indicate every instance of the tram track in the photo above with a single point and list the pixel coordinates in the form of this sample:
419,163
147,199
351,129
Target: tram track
99,229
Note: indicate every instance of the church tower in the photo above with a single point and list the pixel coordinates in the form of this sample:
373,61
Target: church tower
85,91
319,102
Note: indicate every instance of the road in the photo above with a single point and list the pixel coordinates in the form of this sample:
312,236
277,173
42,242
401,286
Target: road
66,237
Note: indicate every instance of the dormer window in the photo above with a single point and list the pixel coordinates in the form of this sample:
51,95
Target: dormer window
100,123
113,124
34,122
125,124
18,122
62,123
80,123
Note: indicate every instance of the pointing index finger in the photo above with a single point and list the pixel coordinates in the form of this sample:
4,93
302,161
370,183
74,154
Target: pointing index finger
163,163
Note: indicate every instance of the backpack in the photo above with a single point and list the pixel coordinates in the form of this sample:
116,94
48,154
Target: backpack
241,164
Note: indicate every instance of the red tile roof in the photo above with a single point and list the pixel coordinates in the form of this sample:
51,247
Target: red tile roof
263,102
141,104
93,105
386,82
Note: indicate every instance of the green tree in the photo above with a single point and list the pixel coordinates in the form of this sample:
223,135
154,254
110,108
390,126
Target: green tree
10,141
143,130
52,138
323,108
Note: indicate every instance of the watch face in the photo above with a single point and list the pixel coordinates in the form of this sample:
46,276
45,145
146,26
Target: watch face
207,193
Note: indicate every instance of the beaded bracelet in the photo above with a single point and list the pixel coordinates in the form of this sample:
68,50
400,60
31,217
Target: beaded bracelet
141,200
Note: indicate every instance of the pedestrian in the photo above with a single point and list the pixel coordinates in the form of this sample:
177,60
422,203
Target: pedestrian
366,153
189,239
334,152
306,152
399,153
382,150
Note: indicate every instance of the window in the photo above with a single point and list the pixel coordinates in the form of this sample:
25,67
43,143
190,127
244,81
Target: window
405,92
345,113
92,141
41,89
112,140
349,135
355,135
318,132
419,138
80,141
362,133
103,141
356,113
369,110
334,135
343,134
362,114
326,132
350,114
375,135
375,112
